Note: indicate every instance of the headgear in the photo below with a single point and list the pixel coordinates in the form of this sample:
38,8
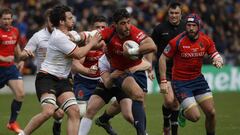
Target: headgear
194,18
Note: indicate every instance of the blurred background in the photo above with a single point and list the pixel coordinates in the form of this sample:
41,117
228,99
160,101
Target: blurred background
221,21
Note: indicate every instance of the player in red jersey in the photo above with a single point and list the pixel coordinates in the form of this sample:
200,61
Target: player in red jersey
9,72
86,73
187,51
115,36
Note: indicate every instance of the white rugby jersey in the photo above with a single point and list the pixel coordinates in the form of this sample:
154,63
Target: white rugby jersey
38,44
104,65
57,61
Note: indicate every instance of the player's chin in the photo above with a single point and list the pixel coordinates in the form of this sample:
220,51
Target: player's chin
127,33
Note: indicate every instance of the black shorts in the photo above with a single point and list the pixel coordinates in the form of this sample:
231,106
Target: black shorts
107,94
47,83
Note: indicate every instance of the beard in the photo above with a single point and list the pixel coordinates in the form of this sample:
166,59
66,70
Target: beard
192,35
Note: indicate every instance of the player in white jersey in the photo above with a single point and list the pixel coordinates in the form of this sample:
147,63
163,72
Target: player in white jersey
52,84
37,48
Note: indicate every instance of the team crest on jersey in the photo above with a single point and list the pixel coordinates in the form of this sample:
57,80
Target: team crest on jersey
167,48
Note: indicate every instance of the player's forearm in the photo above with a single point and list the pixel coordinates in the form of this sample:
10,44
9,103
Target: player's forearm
23,55
147,46
162,67
79,68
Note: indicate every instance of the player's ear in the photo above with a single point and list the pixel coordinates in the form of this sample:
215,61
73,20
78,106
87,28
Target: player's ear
61,21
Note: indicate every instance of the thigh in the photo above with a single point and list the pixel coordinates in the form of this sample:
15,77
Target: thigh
11,76
45,83
95,103
126,106
16,86
119,94
105,94
207,105
83,88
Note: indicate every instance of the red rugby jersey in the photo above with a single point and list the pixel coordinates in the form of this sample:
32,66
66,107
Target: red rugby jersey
188,55
91,59
8,42
115,47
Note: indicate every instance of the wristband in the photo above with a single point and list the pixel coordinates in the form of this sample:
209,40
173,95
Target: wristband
163,80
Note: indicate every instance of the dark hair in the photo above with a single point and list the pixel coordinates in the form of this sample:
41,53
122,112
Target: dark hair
174,5
58,14
6,11
120,14
99,18
47,13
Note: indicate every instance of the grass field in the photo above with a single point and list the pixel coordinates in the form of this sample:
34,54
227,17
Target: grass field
227,106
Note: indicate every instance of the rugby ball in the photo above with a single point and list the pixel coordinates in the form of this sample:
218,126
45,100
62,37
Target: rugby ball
130,44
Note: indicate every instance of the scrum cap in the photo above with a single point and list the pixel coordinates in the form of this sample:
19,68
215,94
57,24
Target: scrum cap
194,18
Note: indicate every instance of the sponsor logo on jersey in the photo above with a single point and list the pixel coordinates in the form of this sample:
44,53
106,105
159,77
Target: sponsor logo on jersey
192,54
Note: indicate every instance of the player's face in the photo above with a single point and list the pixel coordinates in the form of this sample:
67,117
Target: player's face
123,27
174,15
69,22
192,30
6,20
99,25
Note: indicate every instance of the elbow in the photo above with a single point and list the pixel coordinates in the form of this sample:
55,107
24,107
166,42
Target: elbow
154,49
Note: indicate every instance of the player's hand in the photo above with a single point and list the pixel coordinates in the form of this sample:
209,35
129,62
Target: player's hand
95,39
218,61
116,73
29,53
150,74
74,36
164,87
93,69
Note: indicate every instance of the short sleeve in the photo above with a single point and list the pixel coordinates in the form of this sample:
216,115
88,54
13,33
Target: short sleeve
32,43
170,49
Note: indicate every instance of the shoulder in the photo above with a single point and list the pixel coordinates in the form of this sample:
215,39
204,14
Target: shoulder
205,37
179,37
161,26
14,29
107,32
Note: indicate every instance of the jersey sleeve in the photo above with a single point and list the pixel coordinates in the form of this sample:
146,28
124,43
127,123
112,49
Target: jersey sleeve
32,43
170,49
211,47
105,33
65,45
137,34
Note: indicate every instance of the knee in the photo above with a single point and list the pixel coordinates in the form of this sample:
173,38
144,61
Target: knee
211,113
90,113
139,96
194,118
73,112
48,113
20,96
58,114
169,103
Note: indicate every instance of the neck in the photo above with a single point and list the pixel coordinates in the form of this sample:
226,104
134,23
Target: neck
63,29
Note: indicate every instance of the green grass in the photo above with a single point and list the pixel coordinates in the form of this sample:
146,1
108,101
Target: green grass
227,106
